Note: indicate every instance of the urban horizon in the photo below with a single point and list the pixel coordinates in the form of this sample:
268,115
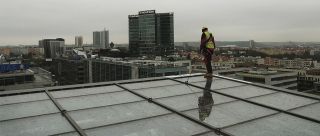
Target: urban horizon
127,43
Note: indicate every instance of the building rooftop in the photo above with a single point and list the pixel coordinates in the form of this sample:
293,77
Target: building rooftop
264,72
17,73
173,106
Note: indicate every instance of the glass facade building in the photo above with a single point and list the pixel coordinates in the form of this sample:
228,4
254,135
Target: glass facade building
151,33
53,48
101,39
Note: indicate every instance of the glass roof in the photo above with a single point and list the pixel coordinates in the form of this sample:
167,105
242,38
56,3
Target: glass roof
85,91
309,111
116,114
21,110
23,98
228,114
160,107
36,126
284,101
166,125
277,125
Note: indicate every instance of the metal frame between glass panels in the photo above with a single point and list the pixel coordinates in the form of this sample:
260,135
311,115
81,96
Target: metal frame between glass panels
216,130
66,115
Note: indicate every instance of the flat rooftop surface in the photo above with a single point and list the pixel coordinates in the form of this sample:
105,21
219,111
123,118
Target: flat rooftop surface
16,73
166,106
262,73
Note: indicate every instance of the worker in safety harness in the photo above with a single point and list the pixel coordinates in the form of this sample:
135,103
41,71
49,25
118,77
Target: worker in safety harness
207,47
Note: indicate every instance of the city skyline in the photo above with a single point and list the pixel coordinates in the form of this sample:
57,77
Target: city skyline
24,22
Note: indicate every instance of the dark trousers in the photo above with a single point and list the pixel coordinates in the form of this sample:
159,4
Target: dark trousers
207,54
207,61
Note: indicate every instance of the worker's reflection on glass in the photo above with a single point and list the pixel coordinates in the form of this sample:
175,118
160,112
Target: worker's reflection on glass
205,102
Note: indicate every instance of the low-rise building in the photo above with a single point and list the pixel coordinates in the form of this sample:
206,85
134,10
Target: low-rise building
284,79
308,80
24,78
296,63
68,71
223,62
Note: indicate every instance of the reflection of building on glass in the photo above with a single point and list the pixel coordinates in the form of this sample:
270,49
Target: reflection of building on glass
205,102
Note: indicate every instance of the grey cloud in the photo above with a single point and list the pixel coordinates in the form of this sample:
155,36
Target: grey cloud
27,21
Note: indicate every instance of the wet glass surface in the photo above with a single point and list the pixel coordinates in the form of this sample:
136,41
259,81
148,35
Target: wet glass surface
23,98
312,111
167,125
220,84
85,91
225,114
246,91
90,101
277,125
36,126
116,114
214,109
150,84
27,109
283,101
195,79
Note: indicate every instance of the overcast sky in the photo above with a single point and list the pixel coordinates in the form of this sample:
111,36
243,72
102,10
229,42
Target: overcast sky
28,21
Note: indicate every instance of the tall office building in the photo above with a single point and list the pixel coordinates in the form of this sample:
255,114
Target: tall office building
151,33
79,41
101,39
53,48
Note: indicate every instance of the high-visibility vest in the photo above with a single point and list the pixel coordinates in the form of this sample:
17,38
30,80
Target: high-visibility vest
210,43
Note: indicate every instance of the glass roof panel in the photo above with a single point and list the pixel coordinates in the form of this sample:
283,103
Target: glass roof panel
168,125
219,84
276,125
190,101
83,102
150,84
312,111
208,134
246,91
283,100
27,109
166,91
85,91
23,98
116,114
229,113
36,126
195,79
69,134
